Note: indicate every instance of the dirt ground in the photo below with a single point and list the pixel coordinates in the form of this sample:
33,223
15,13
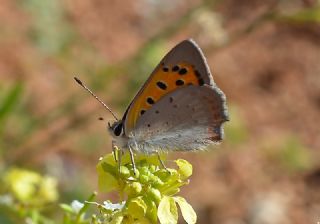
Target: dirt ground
266,171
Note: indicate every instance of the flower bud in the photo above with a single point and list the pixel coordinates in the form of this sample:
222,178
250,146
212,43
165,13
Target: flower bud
155,195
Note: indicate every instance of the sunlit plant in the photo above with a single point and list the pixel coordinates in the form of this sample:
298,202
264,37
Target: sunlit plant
147,195
24,194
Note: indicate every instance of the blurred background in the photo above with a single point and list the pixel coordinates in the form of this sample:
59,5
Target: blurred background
264,55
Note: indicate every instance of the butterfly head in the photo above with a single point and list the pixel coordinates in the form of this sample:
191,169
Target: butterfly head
116,128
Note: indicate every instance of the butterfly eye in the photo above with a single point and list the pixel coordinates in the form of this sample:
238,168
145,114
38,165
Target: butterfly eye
117,129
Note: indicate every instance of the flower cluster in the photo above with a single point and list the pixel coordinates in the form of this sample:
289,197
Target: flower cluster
25,194
148,194
29,188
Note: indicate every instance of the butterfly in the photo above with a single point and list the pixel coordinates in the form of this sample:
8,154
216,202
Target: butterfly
179,107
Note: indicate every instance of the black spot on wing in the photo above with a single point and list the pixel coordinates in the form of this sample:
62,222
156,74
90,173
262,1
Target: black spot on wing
175,68
165,69
183,71
179,82
150,100
162,85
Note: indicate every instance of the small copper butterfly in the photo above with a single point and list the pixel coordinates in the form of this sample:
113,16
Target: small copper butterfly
179,108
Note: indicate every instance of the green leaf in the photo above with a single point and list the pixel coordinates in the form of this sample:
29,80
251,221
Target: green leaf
167,211
137,207
187,211
109,158
86,205
294,156
237,132
10,100
185,168
106,181
171,190
67,208
66,219
304,16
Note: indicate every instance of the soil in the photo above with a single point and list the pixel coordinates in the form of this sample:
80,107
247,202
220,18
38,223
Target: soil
269,73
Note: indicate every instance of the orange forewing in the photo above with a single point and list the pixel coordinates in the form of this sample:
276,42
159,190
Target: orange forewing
171,77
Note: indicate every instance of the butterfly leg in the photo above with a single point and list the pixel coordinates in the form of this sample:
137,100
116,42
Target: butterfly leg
161,162
117,154
132,160
119,159
114,151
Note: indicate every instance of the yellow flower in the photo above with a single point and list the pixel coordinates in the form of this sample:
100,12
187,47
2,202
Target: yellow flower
30,187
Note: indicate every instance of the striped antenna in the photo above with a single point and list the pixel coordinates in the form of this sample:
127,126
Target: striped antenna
95,96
